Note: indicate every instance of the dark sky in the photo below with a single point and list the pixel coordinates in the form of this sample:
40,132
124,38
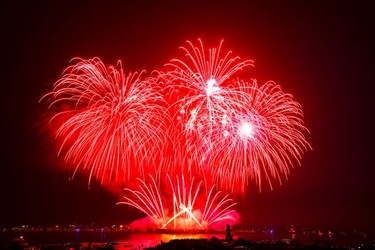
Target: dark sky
320,51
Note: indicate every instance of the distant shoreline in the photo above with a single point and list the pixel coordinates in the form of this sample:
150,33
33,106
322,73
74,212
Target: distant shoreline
152,238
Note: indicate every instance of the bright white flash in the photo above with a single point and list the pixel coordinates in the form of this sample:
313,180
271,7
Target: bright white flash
247,130
211,88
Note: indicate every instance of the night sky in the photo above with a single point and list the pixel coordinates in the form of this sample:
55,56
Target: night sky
320,51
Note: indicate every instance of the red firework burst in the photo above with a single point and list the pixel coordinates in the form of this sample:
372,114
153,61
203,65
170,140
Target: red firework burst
112,124
200,95
232,130
183,204
258,141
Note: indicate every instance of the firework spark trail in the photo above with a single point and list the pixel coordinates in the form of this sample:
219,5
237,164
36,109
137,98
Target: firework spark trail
148,200
185,198
115,124
222,210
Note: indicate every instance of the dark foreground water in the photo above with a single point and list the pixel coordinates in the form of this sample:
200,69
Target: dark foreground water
140,240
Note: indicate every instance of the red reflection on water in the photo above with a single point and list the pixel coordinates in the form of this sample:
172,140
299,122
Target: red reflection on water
142,241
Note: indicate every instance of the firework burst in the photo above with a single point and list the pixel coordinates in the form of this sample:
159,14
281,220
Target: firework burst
110,124
200,95
180,205
260,140
232,130
198,89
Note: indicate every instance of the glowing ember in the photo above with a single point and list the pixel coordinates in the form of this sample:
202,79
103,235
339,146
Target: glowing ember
211,88
247,130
